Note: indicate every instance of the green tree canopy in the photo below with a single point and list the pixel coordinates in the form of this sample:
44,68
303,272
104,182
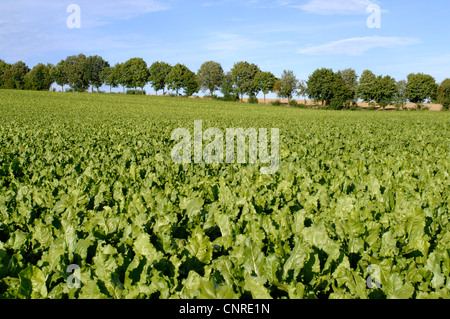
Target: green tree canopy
93,68
210,76
366,88
14,77
180,77
119,75
243,74
330,88
39,78
59,75
75,71
228,89
136,73
191,83
341,93
264,81
385,89
421,87
351,81
302,89
288,85
320,85
444,94
109,77
400,96
4,68
157,75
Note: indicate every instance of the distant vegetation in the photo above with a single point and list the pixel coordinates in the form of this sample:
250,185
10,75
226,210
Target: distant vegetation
333,90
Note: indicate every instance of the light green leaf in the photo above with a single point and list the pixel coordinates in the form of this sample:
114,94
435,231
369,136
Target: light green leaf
194,207
318,237
296,260
143,246
32,283
396,288
256,286
200,246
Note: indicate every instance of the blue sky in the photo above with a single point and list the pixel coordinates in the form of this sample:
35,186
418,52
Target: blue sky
277,35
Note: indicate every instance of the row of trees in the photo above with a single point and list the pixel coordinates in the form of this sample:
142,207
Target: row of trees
337,90
343,89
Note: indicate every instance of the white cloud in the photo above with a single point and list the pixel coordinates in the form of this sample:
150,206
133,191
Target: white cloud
358,46
328,7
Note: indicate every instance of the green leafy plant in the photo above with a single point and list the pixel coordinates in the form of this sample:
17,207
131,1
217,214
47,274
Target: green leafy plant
85,182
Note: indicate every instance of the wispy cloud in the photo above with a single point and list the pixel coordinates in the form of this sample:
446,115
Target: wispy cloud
30,28
328,7
24,13
106,11
358,46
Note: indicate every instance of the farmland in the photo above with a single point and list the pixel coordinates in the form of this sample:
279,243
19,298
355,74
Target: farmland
359,207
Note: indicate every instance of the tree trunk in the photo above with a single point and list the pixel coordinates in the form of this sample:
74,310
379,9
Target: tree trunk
62,88
264,98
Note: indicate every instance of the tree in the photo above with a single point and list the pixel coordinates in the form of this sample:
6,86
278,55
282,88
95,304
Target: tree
58,74
385,89
93,68
39,78
330,88
277,87
136,73
421,87
157,75
210,76
400,97
320,85
366,88
191,83
180,77
243,74
74,68
119,76
175,77
264,81
341,94
288,85
228,90
108,76
15,76
444,94
302,89
4,68
351,81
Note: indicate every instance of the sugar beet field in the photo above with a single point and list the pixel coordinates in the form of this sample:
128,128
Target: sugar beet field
93,206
